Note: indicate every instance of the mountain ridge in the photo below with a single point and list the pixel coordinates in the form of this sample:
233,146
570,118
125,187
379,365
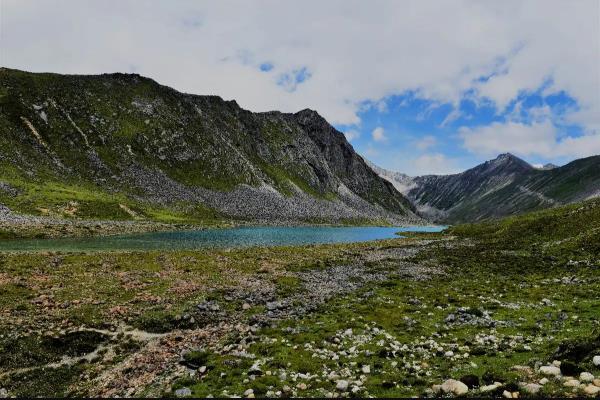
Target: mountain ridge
506,185
159,150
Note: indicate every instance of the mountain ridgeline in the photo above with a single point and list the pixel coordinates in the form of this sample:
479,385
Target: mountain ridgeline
501,187
123,146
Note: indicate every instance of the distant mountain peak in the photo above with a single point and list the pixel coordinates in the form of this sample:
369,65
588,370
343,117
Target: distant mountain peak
507,160
548,166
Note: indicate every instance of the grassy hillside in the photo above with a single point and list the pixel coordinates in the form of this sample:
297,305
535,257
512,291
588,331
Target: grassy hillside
118,142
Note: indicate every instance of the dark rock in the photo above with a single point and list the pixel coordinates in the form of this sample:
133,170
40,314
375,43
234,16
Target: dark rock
570,368
471,381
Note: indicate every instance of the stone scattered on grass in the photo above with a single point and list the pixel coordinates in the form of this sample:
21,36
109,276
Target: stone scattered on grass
586,377
591,390
342,385
550,370
571,383
531,388
455,387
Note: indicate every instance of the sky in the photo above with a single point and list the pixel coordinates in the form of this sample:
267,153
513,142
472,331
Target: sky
420,87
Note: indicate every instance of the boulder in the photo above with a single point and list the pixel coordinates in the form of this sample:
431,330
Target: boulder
455,387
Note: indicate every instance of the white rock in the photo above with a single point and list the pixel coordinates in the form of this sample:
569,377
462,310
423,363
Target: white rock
366,369
550,370
591,390
246,306
543,381
586,377
556,363
202,369
507,395
302,386
455,387
449,354
488,388
596,361
531,388
248,392
571,383
342,385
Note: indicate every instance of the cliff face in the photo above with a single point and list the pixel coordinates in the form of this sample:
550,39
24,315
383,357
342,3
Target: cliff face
127,135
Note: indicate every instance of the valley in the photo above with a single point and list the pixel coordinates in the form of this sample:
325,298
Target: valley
150,247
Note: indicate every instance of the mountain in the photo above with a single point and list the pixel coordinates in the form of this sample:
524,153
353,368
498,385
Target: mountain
548,166
402,182
504,186
123,146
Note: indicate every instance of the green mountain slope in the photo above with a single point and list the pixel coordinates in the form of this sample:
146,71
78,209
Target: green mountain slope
502,187
122,146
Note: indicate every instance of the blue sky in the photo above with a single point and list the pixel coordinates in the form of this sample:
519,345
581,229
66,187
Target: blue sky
418,86
406,133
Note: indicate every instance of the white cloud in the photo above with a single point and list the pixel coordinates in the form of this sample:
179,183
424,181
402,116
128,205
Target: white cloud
436,163
378,134
218,48
426,142
351,135
539,138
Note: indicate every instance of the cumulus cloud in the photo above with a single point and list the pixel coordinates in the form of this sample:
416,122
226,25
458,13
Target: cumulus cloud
436,163
378,134
258,53
535,139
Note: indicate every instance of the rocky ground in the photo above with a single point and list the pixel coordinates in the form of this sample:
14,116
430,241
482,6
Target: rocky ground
432,315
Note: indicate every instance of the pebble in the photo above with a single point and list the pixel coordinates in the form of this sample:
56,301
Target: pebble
455,387
366,369
543,381
596,361
571,383
596,382
302,386
342,385
3,393
248,392
507,395
586,377
202,369
488,388
550,370
449,354
246,306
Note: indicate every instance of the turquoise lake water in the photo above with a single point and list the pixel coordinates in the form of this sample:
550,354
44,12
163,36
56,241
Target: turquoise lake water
217,238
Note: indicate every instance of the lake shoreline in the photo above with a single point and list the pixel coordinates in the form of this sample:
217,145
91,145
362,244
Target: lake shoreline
15,226
213,238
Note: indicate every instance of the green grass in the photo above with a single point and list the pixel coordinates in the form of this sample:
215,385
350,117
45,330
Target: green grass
519,270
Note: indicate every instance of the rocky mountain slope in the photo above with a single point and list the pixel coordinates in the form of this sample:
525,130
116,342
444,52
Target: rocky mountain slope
504,186
122,146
